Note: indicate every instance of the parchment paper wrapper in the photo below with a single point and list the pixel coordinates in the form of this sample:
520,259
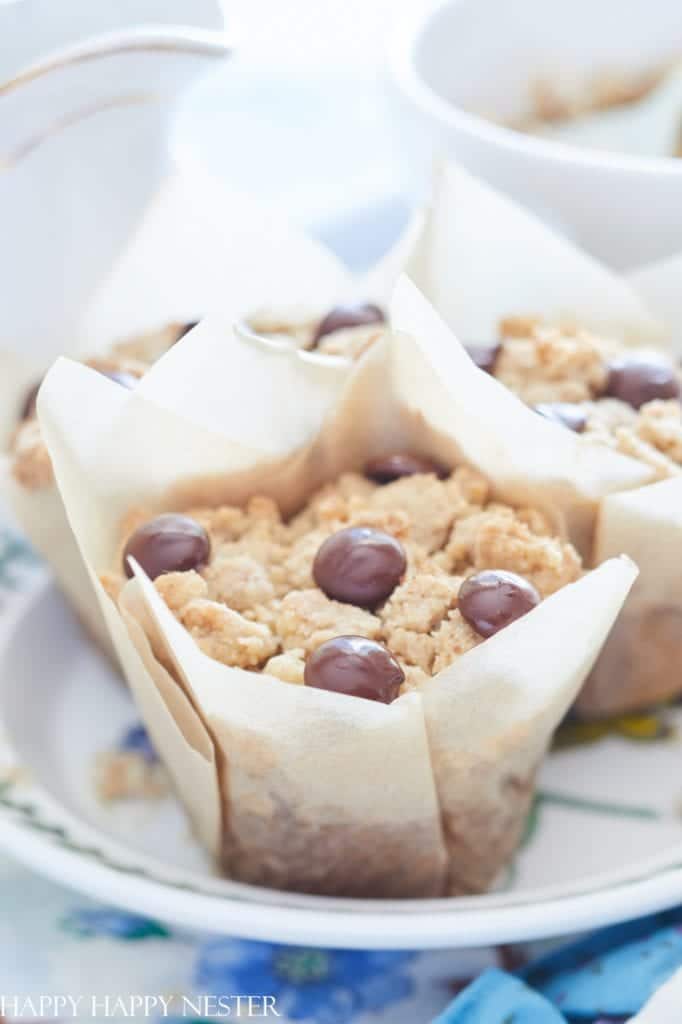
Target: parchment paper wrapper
479,258
289,786
645,648
198,249
658,284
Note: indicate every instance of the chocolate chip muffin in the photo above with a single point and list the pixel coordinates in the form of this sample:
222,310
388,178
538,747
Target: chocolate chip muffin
331,654
380,582
628,399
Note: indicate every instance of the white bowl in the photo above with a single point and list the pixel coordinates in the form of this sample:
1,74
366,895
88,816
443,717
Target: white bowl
31,29
603,845
84,144
460,56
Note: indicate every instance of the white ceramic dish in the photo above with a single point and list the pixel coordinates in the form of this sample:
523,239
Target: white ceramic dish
607,842
30,29
456,56
84,144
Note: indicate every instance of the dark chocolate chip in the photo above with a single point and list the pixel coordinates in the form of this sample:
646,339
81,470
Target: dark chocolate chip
169,543
348,316
492,599
357,667
567,414
642,377
386,468
484,356
359,566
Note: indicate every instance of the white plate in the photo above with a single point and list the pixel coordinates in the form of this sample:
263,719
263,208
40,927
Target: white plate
606,846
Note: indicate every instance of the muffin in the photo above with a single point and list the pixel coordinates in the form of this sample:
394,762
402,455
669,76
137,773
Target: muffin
28,479
622,396
580,347
352,652
197,248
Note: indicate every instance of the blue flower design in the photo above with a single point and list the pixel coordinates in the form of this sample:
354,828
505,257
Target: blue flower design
113,924
319,986
136,740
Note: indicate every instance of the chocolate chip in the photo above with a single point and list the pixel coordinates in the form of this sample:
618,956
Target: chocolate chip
484,355
28,409
357,667
567,414
348,316
169,543
642,377
492,599
359,566
387,468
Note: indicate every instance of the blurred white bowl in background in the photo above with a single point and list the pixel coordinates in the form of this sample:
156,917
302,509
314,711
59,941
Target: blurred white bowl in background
84,144
459,60
30,29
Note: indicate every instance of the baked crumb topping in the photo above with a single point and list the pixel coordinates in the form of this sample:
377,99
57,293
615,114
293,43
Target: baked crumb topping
550,365
546,365
257,602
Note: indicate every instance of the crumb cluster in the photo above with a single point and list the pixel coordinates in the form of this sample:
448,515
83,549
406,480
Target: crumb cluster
544,364
256,605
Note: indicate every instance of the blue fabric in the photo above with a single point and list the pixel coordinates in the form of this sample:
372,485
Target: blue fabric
614,972
607,977
499,998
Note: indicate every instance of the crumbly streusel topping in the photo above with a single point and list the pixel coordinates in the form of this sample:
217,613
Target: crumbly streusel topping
31,466
548,364
543,364
299,328
255,604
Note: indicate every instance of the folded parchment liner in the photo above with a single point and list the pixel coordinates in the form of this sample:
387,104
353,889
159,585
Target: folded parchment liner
479,258
316,791
198,248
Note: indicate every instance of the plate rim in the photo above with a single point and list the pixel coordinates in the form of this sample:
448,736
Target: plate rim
41,832
417,930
